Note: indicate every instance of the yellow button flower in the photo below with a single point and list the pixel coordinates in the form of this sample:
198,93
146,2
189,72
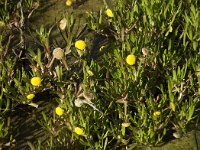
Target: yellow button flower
80,44
36,81
59,111
30,96
131,59
156,113
68,2
78,131
109,13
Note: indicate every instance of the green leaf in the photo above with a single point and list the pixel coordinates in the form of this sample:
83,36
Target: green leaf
170,44
39,57
195,45
166,10
44,116
105,143
190,34
193,10
132,37
136,8
132,146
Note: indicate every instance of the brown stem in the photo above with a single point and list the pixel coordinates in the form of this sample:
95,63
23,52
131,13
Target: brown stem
49,65
65,63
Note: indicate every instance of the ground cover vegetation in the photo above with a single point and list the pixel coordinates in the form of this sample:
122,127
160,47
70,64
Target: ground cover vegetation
138,84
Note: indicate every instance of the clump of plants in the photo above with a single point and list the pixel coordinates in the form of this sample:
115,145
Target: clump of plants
137,86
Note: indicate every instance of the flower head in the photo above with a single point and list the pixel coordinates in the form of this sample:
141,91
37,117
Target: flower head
58,53
156,113
80,44
131,59
68,2
36,81
109,13
59,111
30,96
78,131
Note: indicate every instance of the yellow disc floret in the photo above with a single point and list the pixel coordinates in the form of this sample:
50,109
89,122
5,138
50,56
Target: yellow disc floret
36,81
78,131
109,13
131,59
68,2
30,96
80,44
59,111
156,113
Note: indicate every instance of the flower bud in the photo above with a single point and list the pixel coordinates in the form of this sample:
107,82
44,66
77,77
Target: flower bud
63,24
58,53
78,102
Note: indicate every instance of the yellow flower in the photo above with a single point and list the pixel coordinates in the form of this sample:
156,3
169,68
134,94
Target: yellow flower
80,44
78,131
36,81
30,96
131,59
59,111
156,113
68,2
109,13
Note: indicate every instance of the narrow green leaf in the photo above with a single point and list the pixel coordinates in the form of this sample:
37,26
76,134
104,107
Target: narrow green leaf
195,45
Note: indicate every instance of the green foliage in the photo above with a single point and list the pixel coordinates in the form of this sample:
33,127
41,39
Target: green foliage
115,104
